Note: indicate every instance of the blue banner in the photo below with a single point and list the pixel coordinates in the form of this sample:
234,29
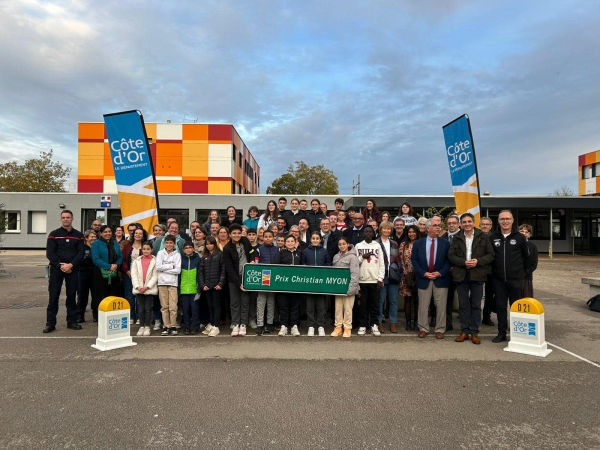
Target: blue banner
460,152
132,163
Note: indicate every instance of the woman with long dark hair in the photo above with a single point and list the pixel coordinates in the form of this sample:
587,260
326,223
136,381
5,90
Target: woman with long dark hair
371,212
270,216
212,281
131,251
107,257
407,214
408,285
119,234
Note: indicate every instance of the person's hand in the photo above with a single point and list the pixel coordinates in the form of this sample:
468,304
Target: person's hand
113,267
129,273
436,275
205,288
242,288
366,255
142,289
379,285
217,288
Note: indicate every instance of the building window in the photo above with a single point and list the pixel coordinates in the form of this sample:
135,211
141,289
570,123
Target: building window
586,172
240,160
12,221
37,222
540,221
234,152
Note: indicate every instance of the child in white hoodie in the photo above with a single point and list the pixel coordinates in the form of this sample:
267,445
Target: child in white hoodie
372,272
168,266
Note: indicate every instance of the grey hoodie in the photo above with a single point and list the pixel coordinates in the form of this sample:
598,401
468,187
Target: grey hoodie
349,260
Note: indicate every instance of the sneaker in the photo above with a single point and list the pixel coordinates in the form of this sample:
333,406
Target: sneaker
259,330
375,330
253,324
362,331
337,332
174,331
137,322
196,331
347,332
295,331
187,331
165,332
146,331
157,325
214,331
231,326
177,326
140,331
207,329
236,331
269,328
321,331
311,331
283,330
242,330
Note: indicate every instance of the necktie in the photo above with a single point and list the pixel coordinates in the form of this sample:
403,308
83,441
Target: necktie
432,255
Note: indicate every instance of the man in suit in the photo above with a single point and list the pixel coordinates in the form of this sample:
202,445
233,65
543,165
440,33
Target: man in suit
430,261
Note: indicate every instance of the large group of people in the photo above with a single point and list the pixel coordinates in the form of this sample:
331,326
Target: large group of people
175,281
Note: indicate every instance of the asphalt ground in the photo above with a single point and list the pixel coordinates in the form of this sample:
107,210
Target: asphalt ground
394,391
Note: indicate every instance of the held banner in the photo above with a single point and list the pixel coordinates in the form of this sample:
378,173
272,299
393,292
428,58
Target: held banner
301,279
463,166
132,163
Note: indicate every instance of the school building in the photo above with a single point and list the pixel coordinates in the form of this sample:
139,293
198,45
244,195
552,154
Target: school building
589,173
565,224
188,158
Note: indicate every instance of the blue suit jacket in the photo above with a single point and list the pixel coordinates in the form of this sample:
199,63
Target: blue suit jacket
442,263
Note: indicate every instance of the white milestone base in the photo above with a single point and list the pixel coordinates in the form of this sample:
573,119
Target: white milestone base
114,330
528,335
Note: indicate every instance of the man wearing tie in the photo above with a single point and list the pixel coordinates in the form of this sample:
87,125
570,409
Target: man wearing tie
430,261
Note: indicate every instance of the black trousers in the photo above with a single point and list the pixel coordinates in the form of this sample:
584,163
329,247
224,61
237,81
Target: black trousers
489,305
85,286
57,277
507,292
367,311
289,308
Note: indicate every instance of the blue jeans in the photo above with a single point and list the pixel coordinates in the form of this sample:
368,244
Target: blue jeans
130,297
391,290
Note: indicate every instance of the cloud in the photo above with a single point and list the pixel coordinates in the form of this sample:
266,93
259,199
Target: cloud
359,88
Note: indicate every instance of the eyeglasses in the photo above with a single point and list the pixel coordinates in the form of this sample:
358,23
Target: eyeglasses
505,219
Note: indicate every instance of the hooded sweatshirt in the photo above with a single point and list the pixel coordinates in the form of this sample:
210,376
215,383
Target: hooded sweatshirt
350,260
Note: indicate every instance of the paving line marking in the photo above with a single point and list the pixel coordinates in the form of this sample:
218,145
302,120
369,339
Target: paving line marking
573,354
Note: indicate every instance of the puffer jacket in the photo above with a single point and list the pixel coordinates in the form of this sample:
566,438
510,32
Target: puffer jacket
290,258
189,277
315,256
350,260
212,272
137,276
314,220
481,250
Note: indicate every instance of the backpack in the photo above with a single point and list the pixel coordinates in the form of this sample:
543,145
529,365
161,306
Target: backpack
594,303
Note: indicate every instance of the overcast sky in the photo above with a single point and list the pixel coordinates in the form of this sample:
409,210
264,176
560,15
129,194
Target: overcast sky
361,87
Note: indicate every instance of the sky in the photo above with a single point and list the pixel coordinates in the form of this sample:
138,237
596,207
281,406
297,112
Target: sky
362,87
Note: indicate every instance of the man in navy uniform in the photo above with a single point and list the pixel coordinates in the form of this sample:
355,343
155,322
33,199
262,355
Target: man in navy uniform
64,250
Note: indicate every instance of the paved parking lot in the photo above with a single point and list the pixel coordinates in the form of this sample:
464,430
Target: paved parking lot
395,391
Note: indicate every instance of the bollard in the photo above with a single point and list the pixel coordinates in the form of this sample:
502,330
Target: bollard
527,328
113,324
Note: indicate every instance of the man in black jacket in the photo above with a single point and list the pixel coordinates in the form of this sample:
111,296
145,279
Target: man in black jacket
355,233
64,250
470,253
508,270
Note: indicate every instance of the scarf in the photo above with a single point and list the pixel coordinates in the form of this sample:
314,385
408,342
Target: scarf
110,247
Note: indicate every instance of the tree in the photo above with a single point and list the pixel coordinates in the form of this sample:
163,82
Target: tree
305,180
34,175
563,191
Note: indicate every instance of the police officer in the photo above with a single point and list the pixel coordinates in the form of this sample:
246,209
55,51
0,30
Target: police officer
64,250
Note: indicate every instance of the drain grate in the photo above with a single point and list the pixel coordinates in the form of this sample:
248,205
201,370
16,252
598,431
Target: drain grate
23,306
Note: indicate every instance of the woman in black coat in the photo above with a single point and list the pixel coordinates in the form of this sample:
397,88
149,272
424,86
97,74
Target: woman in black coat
212,281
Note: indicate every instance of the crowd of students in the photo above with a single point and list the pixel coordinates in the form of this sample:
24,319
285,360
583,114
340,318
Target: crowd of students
175,281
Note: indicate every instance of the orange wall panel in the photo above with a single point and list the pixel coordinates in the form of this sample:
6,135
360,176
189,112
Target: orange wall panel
168,159
195,132
90,131
169,186
194,161
590,158
151,131
219,187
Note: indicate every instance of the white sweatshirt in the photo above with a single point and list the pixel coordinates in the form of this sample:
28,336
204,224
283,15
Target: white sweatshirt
168,266
372,269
